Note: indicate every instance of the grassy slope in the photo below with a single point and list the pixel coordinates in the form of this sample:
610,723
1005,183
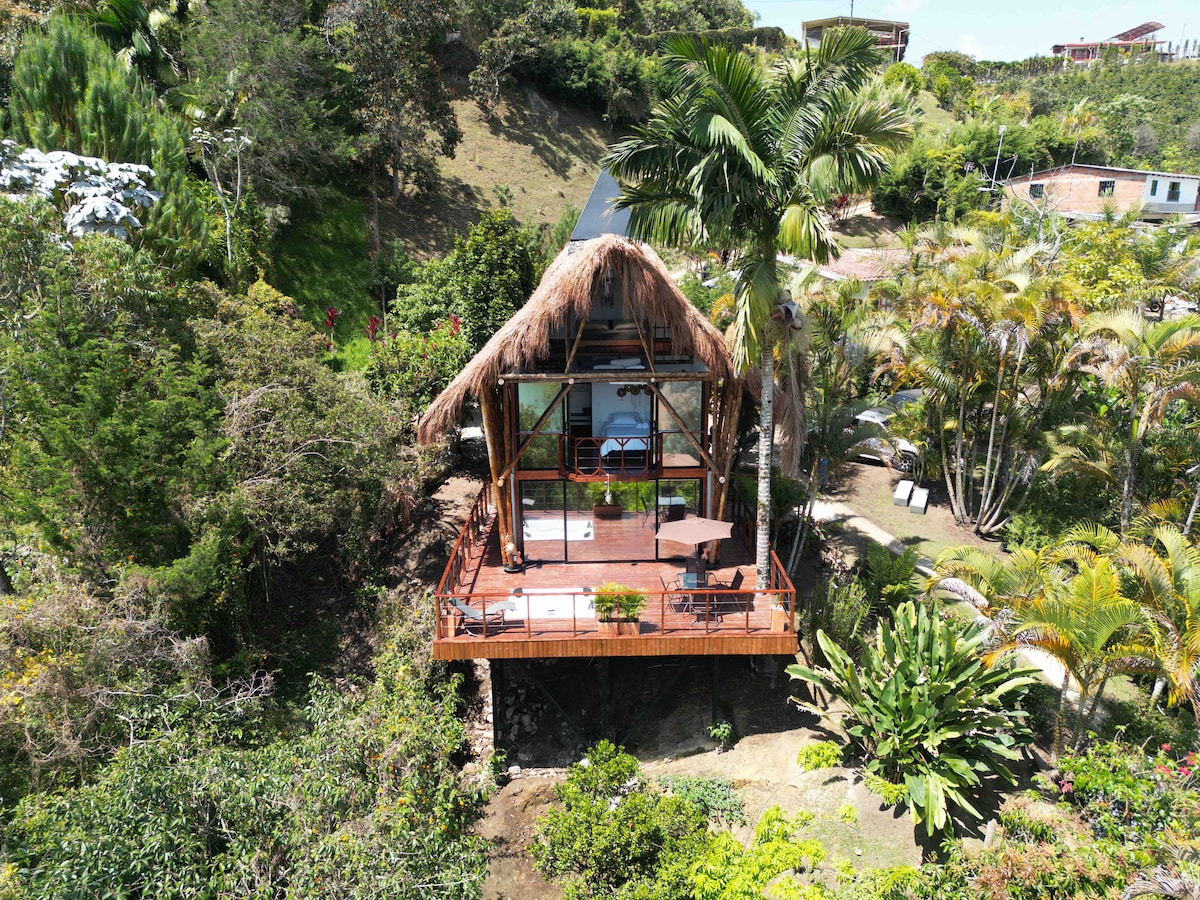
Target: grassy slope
936,119
548,169
323,257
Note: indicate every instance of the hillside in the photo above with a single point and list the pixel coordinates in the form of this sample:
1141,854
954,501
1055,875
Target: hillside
547,155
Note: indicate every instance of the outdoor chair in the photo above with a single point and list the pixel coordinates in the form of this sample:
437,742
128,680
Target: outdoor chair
474,619
677,600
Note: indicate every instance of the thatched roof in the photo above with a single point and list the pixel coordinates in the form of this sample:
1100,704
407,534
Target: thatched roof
570,287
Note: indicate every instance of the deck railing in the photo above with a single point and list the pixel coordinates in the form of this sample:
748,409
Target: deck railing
543,612
566,612
470,542
632,456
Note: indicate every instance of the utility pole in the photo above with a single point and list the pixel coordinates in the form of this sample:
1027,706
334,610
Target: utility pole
999,146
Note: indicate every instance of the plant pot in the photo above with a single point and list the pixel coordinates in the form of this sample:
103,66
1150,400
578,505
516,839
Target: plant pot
615,627
780,618
607,510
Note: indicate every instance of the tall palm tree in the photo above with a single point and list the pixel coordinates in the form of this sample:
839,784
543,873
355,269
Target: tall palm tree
1150,364
987,348
746,157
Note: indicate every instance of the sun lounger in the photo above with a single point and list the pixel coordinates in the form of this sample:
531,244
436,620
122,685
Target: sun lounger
473,618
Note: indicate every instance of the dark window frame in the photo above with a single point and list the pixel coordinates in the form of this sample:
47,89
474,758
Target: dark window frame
1038,190
1108,187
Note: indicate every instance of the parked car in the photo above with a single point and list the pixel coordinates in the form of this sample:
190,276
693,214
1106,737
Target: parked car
893,451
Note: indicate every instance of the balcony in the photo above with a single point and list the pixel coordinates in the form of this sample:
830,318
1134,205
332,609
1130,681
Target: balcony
546,610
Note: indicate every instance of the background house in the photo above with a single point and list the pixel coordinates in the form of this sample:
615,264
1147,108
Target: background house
1086,191
1135,41
891,36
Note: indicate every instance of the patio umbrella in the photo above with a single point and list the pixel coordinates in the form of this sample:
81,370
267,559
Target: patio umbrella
694,530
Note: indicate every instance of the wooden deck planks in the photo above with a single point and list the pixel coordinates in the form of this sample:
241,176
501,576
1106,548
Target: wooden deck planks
621,553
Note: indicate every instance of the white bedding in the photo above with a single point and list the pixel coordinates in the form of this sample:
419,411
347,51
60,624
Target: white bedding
624,426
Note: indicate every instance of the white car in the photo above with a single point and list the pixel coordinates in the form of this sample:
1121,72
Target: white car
894,451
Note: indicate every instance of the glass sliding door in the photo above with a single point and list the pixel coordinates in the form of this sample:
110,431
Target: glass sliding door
545,529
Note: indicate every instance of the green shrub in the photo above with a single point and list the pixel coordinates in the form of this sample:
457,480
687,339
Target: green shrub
722,731
1133,795
890,579
361,799
1019,825
923,708
821,755
776,856
410,370
891,794
715,797
614,836
839,608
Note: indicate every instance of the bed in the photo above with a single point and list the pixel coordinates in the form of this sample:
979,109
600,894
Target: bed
624,425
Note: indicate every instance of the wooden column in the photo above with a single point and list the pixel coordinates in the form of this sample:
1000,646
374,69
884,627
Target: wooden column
494,436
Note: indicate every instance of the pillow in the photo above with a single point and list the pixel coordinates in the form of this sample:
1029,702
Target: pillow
625,418
626,361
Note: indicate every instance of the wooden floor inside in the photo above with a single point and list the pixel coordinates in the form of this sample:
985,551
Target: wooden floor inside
550,611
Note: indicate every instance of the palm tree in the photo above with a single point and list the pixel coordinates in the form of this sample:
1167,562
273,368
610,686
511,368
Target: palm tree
745,157
1091,629
987,347
1150,364
841,340
1163,567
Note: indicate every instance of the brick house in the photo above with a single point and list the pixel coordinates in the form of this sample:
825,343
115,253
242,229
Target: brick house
1081,191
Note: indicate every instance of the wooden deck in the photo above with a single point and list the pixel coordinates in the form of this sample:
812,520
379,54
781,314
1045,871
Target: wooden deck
545,609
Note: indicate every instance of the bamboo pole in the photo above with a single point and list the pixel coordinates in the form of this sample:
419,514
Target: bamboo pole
487,406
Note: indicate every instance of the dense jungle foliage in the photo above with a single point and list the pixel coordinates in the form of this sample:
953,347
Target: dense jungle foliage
212,683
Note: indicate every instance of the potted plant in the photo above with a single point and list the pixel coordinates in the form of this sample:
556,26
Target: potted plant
617,608
605,505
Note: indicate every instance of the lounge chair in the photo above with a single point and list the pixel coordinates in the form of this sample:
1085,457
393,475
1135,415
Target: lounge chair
473,618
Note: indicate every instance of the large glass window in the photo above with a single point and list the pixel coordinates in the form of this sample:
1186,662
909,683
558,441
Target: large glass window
687,399
533,400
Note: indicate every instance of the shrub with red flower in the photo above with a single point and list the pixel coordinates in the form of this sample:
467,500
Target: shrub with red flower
410,370
1133,795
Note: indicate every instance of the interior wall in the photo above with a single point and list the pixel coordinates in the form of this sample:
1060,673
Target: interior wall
605,402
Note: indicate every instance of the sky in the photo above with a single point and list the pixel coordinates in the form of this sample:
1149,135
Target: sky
1015,29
